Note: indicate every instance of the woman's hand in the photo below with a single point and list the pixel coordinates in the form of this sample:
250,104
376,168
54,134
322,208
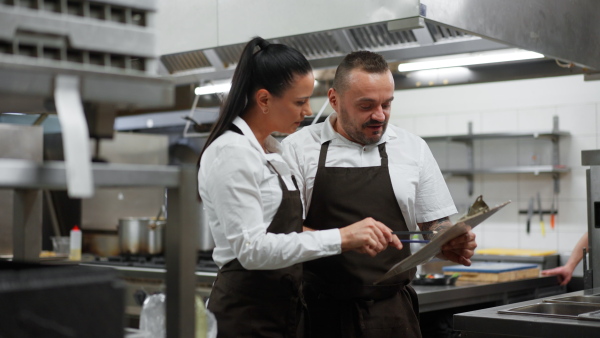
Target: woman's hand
368,236
563,273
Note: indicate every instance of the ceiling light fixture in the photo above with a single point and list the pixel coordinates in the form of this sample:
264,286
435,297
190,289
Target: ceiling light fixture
477,59
213,88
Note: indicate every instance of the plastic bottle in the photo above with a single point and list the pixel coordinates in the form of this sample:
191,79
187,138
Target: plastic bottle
75,254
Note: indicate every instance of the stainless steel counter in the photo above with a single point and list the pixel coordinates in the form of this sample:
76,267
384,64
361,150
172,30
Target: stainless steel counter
432,298
490,323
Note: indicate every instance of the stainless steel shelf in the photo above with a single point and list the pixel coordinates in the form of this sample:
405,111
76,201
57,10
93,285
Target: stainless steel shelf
540,169
555,169
490,136
24,174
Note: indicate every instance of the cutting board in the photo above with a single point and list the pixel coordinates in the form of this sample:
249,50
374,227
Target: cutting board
493,272
514,252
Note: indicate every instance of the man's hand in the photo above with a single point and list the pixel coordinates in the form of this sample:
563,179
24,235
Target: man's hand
368,236
460,249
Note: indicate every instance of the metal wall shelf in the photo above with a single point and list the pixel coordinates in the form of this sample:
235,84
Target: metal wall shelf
555,169
25,174
489,136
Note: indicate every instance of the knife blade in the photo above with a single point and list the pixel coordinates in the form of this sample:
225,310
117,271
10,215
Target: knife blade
529,215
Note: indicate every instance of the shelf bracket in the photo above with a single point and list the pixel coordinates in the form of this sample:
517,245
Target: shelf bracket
555,154
470,158
27,225
75,136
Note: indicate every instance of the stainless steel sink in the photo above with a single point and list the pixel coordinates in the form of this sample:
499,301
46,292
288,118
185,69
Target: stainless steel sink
557,310
590,316
590,300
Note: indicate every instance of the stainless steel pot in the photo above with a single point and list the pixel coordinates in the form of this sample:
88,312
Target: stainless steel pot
141,236
205,238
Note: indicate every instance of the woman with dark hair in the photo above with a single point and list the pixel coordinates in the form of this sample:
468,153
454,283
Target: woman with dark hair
253,205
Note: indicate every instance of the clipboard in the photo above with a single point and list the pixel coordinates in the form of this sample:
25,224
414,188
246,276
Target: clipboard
461,227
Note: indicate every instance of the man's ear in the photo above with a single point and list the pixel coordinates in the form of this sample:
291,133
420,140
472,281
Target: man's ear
333,96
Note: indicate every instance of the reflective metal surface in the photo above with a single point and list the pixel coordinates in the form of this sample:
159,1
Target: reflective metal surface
559,310
589,300
557,29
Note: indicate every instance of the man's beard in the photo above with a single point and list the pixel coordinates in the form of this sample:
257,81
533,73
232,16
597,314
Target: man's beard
358,134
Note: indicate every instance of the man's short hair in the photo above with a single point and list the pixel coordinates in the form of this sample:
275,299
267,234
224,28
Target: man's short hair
364,60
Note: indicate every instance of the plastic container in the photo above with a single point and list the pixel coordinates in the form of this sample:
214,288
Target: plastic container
61,245
75,248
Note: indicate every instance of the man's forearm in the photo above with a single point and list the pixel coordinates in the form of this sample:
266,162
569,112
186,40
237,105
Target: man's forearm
437,225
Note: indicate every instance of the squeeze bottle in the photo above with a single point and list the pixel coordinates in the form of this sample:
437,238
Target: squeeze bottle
75,254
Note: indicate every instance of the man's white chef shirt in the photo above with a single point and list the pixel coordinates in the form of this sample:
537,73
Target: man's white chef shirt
241,195
417,181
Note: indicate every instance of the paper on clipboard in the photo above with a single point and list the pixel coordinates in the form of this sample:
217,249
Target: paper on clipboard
433,248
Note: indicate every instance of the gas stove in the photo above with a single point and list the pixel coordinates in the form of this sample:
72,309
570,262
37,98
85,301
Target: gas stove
204,262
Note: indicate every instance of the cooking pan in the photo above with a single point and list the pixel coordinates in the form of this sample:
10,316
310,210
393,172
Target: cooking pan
141,236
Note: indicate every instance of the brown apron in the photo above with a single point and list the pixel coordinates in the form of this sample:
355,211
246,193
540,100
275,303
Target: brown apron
262,303
341,298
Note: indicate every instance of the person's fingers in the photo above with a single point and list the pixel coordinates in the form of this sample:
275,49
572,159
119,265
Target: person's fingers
396,243
378,230
374,243
461,240
387,232
370,251
549,272
464,239
457,258
465,248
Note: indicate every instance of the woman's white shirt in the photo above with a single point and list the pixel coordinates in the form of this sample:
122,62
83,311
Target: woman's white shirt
241,194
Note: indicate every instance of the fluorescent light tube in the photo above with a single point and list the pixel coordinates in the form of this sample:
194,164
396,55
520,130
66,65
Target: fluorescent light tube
212,89
478,59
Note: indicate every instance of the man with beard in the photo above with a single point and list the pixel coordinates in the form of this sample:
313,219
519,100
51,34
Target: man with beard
356,164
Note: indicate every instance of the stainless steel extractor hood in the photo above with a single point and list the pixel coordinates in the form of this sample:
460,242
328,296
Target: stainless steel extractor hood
563,30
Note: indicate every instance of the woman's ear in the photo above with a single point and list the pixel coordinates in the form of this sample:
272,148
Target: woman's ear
262,97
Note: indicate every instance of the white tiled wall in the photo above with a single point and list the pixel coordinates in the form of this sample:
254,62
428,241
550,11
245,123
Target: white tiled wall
512,106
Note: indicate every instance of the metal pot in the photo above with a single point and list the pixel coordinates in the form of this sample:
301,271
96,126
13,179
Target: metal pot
141,236
205,239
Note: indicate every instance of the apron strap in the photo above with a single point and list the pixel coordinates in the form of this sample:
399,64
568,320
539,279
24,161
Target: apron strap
325,146
323,154
383,155
235,129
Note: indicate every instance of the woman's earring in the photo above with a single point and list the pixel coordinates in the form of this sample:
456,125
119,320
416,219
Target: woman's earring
266,111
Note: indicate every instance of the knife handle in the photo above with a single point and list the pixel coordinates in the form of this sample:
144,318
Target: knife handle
543,226
528,226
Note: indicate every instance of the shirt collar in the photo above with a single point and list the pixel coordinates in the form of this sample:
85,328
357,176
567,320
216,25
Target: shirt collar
271,143
328,133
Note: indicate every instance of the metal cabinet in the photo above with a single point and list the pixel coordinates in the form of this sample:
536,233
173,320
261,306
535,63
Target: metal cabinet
27,178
